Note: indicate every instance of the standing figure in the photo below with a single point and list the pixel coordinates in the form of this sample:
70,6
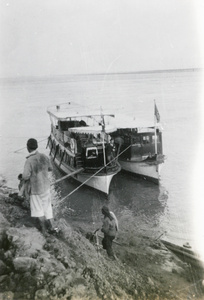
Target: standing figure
110,152
109,229
118,142
36,170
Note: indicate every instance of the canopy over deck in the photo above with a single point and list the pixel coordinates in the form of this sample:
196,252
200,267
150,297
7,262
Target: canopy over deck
126,122
68,111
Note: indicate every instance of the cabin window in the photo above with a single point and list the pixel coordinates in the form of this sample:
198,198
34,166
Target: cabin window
91,153
153,139
65,125
146,139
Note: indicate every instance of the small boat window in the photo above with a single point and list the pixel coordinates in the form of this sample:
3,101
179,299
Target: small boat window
91,153
153,139
146,139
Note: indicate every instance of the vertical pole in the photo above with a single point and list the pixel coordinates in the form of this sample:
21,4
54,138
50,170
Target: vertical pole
104,152
103,132
155,131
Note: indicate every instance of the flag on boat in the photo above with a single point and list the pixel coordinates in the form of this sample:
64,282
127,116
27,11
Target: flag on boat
156,113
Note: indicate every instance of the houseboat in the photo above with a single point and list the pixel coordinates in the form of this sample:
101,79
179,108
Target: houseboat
139,147
79,145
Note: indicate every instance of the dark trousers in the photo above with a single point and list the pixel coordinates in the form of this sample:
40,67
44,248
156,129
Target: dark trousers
107,244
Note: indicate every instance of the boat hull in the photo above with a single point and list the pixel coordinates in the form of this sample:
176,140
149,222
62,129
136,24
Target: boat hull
99,182
143,169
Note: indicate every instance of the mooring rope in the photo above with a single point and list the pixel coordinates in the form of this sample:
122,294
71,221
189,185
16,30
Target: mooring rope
115,158
26,146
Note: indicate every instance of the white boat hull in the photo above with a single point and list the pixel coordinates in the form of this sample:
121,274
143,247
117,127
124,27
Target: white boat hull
99,182
149,171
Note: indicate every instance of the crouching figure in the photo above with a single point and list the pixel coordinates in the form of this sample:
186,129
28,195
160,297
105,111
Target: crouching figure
109,228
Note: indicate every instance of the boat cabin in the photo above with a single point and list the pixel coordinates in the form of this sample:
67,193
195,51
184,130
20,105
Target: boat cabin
84,140
145,142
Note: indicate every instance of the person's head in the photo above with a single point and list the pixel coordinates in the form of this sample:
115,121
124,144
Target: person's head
106,212
32,145
20,176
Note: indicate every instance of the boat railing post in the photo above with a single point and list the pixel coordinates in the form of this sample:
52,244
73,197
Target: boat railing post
104,151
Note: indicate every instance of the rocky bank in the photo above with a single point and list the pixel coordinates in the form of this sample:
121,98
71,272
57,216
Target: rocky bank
69,266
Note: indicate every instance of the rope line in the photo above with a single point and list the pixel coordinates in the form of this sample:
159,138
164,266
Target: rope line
93,175
19,137
26,146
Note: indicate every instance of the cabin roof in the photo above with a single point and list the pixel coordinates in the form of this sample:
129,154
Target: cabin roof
68,111
65,111
126,122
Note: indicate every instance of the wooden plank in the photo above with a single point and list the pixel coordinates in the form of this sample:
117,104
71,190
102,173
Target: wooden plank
183,251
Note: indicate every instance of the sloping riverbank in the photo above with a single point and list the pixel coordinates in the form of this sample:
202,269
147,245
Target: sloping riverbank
69,266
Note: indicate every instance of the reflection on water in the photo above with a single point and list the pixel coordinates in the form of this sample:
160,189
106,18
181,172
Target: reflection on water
138,204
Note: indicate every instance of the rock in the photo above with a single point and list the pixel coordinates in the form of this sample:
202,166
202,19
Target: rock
7,283
72,265
41,294
65,228
79,281
24,264
51,265
8,255
3,191
39,279
80,290
7,296
27,241
58,283
53,274
150,281
3,223
69,278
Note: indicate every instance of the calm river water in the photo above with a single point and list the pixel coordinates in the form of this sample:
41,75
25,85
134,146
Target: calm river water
172,209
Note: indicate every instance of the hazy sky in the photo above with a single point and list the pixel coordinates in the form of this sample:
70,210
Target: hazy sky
56,37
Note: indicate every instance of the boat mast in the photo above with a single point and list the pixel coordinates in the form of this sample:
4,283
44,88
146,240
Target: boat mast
103,133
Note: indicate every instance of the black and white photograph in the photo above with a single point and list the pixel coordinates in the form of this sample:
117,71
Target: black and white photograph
101,149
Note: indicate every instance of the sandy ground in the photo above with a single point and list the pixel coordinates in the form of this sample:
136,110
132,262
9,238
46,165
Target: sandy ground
69,266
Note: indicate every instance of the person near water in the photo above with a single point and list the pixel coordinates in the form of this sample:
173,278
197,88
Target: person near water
110,152
35,174
118,142
109,228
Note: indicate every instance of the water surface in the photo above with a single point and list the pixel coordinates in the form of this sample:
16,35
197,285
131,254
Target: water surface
168,209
